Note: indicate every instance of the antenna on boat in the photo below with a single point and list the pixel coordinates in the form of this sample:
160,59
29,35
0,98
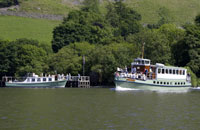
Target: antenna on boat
143,49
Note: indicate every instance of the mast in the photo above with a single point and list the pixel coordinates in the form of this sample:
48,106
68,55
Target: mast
143,50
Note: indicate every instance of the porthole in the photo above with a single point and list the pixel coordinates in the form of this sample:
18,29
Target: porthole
154,82
175,83
164,82
160,82
167,83
157,82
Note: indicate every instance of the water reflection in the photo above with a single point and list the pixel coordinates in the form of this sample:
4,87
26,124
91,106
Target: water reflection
159,90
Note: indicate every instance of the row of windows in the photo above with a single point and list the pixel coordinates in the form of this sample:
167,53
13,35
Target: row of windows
171,71
168,83
38,79
142,62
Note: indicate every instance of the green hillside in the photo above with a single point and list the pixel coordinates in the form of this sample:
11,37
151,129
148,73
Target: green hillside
181,10
12,28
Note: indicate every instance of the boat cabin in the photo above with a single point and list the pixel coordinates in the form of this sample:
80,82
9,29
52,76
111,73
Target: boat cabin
141,65
158,71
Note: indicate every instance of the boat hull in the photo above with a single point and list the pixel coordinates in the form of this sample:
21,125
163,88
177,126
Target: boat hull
53,84
147,85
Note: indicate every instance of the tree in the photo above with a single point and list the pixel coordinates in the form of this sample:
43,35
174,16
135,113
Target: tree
192,47
31,59
20,57
81,26
165,16
7,3
104,60
66,61
156,47
91,5
123,19
197,20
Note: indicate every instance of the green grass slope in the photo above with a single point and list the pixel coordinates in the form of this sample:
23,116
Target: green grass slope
12,28
183,11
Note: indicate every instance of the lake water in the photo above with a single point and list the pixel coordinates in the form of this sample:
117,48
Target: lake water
98,109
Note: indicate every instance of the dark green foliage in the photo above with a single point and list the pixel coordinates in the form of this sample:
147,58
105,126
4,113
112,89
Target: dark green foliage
123,19
7,3
22,56
192,41
156,45
93,27
197,20
91,5
105,59
165,18
81,26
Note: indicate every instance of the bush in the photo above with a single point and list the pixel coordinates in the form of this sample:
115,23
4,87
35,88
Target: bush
7,3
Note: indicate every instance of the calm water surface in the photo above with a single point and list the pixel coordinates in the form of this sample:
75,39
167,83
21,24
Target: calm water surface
97,109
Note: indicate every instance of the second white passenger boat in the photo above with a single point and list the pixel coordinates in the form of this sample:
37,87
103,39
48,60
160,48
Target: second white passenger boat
40,82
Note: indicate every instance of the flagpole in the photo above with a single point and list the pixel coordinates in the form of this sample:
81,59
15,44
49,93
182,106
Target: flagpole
83,65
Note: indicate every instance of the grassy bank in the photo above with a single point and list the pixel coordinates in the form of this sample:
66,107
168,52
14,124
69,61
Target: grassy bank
12,28
183,11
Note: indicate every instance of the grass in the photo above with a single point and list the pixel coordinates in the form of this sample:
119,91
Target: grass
60,7
12,28
183,11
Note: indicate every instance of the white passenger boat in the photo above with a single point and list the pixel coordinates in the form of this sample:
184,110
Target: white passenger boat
145,76
36,81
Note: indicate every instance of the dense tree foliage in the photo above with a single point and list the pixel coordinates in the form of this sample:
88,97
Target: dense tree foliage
22,56
7,3
123,19
93,27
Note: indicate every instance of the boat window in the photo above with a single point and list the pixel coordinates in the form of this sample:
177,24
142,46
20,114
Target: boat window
164,82
33,79
170,71
167,83
163,71
176,71
44,79
175,83
157,82
50,79
180,71
183,72
154,82
173,71
28,80
184,83
142,61
170,83
38,79
166,71
160,82
146,62
178,83
159,70
181,83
